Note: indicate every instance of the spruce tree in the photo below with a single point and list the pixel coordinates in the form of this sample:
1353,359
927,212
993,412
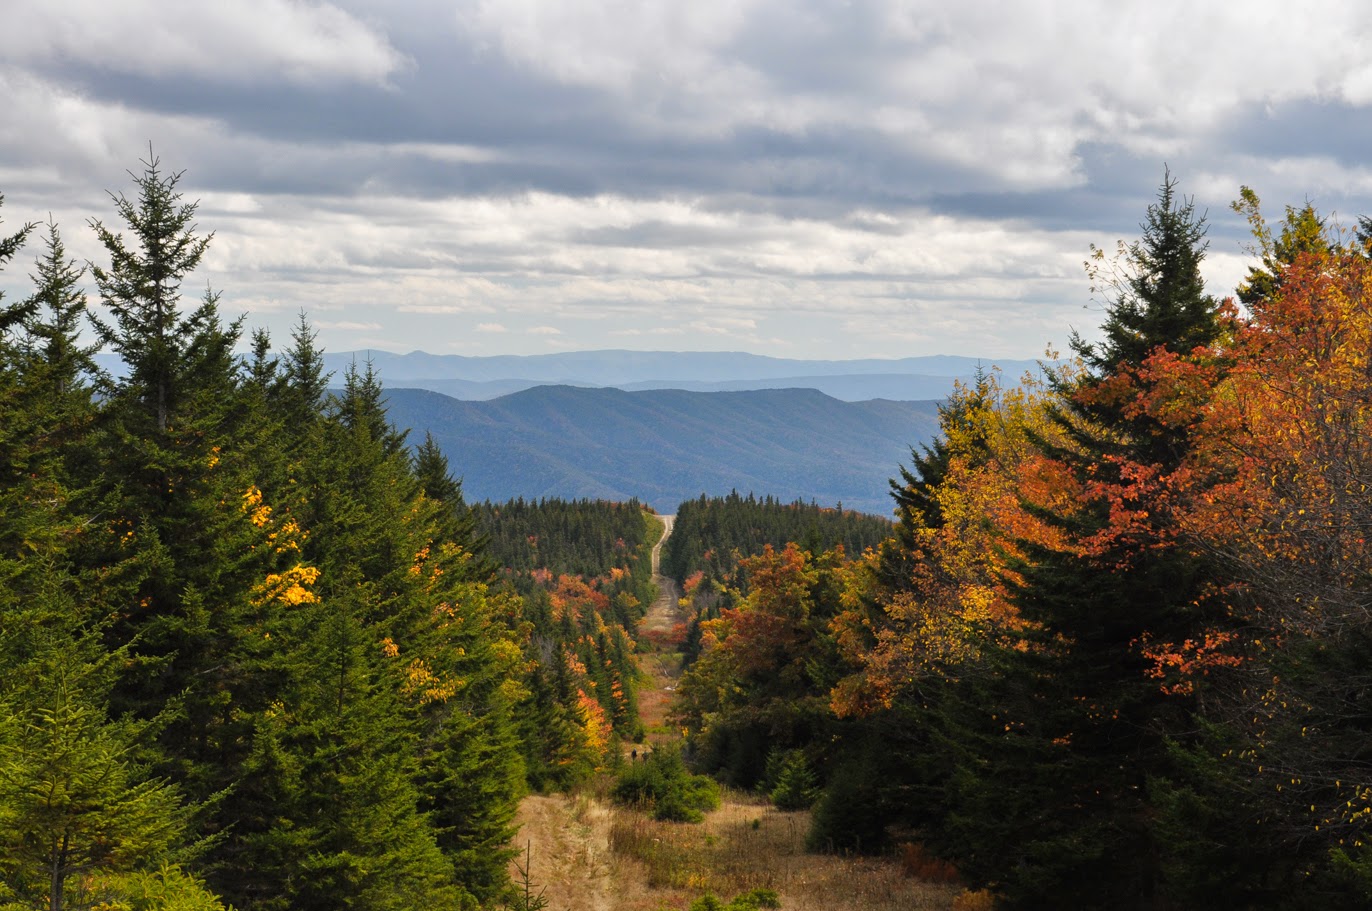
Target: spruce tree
183,523
1054,793
81,819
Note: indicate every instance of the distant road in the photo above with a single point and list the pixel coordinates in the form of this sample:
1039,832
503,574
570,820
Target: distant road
667,521
665,612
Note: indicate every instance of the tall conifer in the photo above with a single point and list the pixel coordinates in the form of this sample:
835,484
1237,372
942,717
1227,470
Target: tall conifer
1054,797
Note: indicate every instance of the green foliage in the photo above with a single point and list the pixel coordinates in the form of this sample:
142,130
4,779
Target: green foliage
76,805
525,899
792,785
849,815
1302,232
566,537
662,781
247,646
747,901
1158,296
712,535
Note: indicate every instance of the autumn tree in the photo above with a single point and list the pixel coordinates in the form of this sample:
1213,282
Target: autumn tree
767,664
1286,450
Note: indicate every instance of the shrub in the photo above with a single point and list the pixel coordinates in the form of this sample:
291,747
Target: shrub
663,782
748,901
980,900
851,815
916,861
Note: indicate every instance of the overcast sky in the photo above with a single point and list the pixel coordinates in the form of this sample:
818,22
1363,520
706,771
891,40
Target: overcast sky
815,178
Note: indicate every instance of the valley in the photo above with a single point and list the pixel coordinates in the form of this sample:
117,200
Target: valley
667,446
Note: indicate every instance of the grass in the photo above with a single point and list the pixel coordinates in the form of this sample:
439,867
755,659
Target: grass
747,845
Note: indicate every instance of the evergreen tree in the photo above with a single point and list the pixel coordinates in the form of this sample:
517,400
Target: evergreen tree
1160,298
1302,232
9,246
80,818
179,439
142,289
1055,790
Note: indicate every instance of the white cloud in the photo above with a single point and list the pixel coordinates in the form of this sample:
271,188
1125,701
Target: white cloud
346,325
246,41
876,176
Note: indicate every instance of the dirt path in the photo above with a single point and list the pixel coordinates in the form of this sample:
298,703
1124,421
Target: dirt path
569,849
665,612
592,855
662,664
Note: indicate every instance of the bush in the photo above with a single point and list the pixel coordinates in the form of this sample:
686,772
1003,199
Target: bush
748,901
663,782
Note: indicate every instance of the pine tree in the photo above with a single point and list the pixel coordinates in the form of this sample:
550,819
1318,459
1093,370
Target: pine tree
183,542
418,589
142,289
356,835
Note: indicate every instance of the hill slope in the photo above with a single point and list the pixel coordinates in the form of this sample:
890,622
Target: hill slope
665,446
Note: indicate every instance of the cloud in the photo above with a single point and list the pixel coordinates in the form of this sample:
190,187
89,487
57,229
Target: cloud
248,41
880,177
544,330
491,327
346,325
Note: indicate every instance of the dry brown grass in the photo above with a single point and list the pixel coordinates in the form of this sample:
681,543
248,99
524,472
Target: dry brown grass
917,862
747,844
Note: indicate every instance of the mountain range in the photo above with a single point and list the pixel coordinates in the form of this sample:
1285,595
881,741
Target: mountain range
667,445
489,377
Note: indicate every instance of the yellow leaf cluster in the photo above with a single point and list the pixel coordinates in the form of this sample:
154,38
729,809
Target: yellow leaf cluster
291,587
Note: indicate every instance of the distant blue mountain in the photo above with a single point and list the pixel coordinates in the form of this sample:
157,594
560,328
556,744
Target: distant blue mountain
666,446
482,378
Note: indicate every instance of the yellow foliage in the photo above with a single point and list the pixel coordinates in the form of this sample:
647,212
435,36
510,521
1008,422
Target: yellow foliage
291,587
422,683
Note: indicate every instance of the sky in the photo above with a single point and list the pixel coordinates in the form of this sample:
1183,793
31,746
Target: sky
810,179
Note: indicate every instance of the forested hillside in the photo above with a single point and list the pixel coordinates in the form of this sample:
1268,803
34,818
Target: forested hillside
711,535
665,446
583,571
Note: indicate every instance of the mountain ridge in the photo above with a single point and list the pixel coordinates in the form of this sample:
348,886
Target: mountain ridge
666,446
485,377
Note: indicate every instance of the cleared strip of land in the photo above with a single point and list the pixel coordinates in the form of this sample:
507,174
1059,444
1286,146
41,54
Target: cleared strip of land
589,854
